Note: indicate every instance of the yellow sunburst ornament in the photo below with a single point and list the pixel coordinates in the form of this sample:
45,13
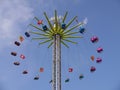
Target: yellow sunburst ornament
57,26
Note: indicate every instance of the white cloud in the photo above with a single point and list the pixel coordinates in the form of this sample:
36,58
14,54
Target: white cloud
13,13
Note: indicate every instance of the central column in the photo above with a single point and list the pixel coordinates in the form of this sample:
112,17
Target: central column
58,61
56,67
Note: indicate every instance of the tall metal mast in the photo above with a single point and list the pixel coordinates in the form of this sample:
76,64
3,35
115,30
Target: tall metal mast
58,61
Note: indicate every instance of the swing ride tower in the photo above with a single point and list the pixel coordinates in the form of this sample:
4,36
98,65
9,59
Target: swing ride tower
57,32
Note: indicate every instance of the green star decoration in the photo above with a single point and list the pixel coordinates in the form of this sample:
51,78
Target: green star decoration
56,28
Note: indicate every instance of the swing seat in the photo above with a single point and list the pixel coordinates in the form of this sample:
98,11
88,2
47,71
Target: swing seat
82,30
22,56
70,69
98,60
25,72
17,63
36,78
41,69
21,38
92,69
99,50
94,39
40,22
50,81
81,76
17,43
27,34
63,26
14,53
44,27
67,80
92,58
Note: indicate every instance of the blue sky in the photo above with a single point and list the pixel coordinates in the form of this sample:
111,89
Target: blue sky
103,21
